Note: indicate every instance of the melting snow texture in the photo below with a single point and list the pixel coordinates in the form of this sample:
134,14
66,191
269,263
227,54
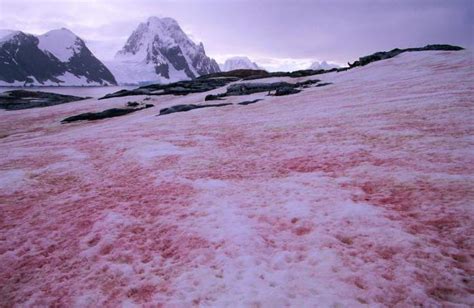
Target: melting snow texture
358,193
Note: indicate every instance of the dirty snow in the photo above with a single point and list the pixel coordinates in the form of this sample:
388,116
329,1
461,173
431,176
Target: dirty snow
358,193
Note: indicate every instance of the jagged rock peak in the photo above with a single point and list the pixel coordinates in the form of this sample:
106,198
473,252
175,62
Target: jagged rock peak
159,49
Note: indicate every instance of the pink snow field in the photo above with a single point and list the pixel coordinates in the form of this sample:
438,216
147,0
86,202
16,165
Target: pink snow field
356,194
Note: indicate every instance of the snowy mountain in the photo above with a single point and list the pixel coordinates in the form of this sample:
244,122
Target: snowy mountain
159,51
322,66
236,63
58,57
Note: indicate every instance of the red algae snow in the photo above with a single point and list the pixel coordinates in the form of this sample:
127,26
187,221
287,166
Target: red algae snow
358,193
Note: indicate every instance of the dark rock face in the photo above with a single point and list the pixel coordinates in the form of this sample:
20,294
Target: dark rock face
308,83
86,64
395,52
212,97
177,59
250,88
21,59
286,91
241,74
108,113
323,84
183,108
132,104
280,88
247,74
21,99
249,102
177,88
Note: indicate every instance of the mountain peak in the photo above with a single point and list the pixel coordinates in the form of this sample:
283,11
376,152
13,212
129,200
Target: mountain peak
7,34
159,51
324,65
163,20
58,57
239,62
61,43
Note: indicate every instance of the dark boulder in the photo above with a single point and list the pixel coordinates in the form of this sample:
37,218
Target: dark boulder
307,83
108,113
249,102
255,87
183,108
132,104
212,97
323,84
92,116
286,91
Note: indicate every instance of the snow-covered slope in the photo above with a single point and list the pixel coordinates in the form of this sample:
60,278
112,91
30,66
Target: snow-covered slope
236,63
354,194
6,34
159,51
61,43
322,65
58,57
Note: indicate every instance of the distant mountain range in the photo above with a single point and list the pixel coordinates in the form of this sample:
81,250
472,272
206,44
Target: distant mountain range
159,51
236,63
322,66
58,57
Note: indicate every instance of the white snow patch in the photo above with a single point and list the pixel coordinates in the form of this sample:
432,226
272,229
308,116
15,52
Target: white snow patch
61,43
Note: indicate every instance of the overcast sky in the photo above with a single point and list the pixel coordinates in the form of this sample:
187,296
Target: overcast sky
276,34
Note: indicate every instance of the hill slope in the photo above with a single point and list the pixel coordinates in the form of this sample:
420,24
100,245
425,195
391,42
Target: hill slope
356,193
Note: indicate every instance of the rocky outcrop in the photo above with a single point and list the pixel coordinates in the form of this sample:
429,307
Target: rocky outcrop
177,88
183,108
395,52
22,99
108,113
245,103
279,88
286,91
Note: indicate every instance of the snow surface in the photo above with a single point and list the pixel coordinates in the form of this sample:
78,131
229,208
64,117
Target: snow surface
238,62
358,193
61,43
